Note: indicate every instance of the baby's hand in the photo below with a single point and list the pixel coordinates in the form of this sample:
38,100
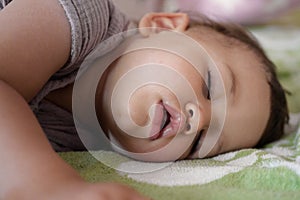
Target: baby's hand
107,191
76,191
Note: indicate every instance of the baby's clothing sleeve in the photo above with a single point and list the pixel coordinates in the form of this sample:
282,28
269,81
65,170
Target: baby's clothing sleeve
3,3
91,22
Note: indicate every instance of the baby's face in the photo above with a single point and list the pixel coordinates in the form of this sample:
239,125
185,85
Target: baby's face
174,127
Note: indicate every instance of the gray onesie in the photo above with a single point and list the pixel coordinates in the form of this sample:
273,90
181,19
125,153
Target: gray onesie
92,21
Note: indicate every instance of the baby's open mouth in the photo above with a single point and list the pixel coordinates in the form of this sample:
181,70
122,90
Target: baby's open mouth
166,119
166,122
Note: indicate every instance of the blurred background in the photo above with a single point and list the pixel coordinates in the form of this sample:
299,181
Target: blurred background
276,24
239,11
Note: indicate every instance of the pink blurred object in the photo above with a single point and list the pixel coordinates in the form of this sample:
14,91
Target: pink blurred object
240,11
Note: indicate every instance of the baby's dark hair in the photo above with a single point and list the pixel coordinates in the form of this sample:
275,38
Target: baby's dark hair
279,114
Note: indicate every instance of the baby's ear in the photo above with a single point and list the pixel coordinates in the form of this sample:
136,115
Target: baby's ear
173,21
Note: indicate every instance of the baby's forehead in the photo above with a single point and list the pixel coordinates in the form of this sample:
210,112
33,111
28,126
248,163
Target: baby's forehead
227,36
227,44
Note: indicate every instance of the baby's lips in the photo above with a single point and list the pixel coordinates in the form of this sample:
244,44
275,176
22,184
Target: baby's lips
177,119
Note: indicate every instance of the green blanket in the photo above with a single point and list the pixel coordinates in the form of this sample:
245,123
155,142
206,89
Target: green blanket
269,173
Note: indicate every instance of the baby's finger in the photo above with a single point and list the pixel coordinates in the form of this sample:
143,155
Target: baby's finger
114,191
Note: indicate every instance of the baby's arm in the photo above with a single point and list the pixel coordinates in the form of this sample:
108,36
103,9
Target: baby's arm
30,169
34,44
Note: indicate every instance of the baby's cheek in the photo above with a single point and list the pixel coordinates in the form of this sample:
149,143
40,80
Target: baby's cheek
143,99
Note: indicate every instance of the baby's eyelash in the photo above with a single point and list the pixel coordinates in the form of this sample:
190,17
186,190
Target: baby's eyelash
208,84
196,142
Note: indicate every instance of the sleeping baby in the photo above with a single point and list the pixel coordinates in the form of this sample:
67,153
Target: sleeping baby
179,87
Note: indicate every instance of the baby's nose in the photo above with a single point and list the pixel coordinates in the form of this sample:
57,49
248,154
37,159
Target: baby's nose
197,118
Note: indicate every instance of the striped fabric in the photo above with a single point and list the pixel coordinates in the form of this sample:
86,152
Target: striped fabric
3,3
91,22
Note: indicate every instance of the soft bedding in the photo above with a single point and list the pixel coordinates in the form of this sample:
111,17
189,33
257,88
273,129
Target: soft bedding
269,173
272,172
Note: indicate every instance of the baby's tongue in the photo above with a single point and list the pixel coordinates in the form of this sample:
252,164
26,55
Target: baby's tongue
156,121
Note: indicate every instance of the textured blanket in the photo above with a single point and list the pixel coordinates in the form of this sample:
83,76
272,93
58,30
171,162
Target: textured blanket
269,173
